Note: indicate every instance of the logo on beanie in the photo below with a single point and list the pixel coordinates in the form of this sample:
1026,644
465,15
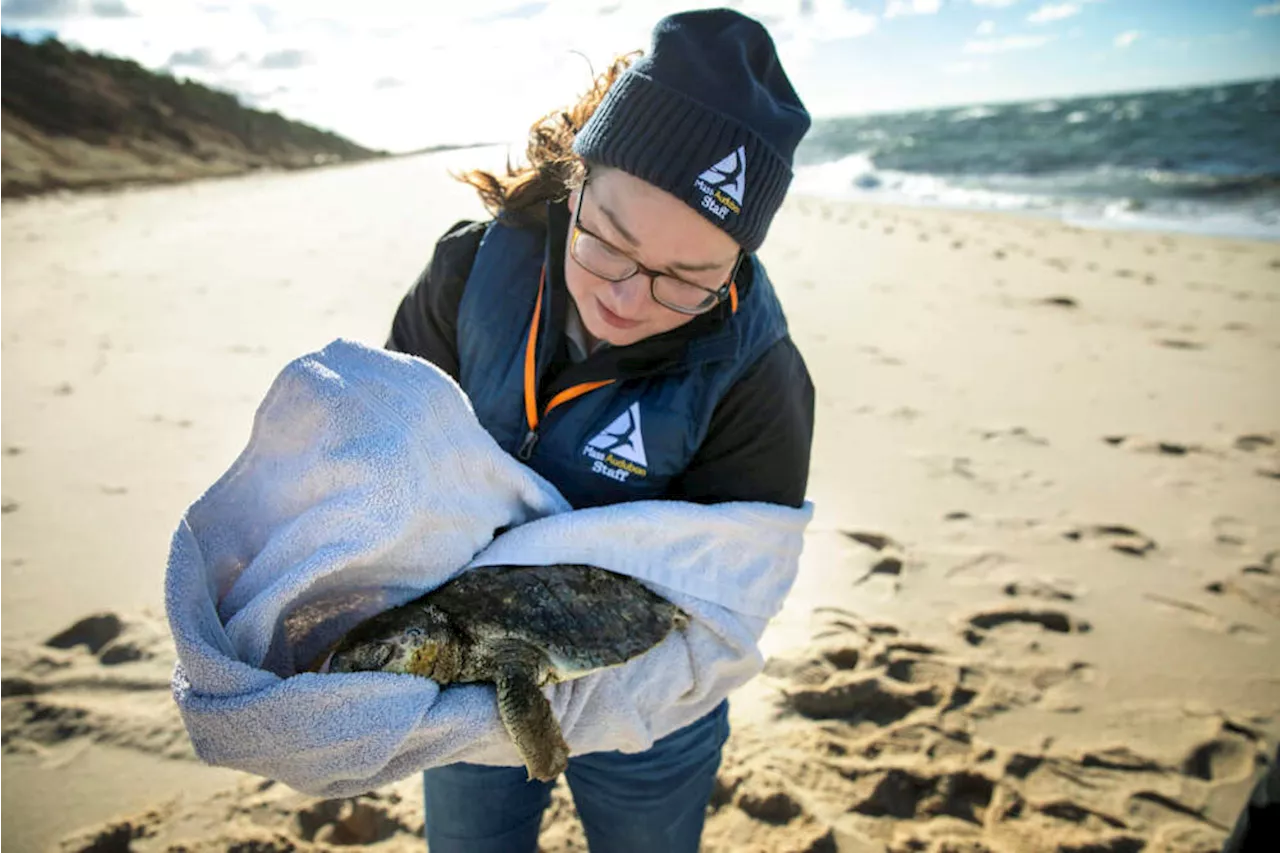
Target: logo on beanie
723,184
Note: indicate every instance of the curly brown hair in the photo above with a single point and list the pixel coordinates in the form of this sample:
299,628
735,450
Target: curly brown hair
552,169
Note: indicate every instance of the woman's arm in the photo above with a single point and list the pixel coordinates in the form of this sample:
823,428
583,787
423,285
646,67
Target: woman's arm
757,446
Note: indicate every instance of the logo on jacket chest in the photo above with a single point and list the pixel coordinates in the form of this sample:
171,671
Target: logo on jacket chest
617,451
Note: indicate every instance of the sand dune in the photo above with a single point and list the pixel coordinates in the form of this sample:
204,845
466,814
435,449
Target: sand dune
1038,608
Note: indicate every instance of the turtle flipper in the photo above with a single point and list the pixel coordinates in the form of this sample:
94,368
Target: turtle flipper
526,713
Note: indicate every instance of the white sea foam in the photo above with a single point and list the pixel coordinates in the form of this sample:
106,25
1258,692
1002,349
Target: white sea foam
855,177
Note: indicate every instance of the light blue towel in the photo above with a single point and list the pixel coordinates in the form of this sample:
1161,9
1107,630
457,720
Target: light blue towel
367,481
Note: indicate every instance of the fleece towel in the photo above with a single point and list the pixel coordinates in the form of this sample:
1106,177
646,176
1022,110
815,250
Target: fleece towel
367,481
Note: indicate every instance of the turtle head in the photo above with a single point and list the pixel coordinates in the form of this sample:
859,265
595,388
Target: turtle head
414,640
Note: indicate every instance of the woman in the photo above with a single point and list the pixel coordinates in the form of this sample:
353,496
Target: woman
615,331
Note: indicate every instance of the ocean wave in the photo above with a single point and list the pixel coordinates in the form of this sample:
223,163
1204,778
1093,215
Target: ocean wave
1211,153
856,176
1159,200
973,114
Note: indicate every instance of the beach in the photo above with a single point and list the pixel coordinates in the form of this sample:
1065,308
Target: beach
1039,603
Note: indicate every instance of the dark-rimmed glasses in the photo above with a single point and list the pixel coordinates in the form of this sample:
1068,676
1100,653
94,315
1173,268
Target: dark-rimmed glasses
604,260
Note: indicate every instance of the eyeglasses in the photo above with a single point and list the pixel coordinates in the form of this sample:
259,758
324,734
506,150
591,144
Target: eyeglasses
604,260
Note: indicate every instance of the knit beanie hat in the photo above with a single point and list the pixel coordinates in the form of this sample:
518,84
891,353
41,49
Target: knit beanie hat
707,115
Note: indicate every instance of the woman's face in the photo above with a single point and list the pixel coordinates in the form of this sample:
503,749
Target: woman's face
655,229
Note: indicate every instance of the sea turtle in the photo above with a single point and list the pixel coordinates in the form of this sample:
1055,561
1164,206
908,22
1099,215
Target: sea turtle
519,628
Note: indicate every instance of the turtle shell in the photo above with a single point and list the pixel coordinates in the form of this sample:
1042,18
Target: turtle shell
582,617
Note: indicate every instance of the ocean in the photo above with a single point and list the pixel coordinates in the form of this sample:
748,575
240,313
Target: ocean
1204,159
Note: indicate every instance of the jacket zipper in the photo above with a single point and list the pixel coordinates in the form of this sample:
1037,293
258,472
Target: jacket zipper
525,451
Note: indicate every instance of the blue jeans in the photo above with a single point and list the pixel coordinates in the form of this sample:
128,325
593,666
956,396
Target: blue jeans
649,801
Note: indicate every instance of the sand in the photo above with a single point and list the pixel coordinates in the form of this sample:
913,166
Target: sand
1039,606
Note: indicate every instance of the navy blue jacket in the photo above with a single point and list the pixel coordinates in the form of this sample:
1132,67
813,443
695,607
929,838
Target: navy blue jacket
719,409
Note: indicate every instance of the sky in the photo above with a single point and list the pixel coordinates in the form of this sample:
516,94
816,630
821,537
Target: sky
404,74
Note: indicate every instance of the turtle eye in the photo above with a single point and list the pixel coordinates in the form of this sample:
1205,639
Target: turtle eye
414,633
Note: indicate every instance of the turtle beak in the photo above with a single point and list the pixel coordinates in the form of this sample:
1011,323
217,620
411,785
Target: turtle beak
367,658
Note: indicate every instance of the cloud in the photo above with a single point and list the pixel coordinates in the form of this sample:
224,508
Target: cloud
986,28
819,21
196,57
61,10
1127,38
286,59
830,20
994,4
1050,12
1267,10
38,10
111,9
902,8
1008,43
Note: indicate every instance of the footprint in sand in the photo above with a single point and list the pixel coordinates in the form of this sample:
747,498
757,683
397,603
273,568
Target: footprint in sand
926,763
1200,617
182,423
1153,807
875,541
770,803
889,559
1117,537
1233,754
1257,584
92,632
347,822
979,627
1231,532
1268,565
261,815
1138,444
1071,812
112,640
917,794
1040,589
895,747
1018,434
1181,343
865,696
101,679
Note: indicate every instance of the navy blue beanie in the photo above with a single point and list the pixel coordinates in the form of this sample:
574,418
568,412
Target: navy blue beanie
707,115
